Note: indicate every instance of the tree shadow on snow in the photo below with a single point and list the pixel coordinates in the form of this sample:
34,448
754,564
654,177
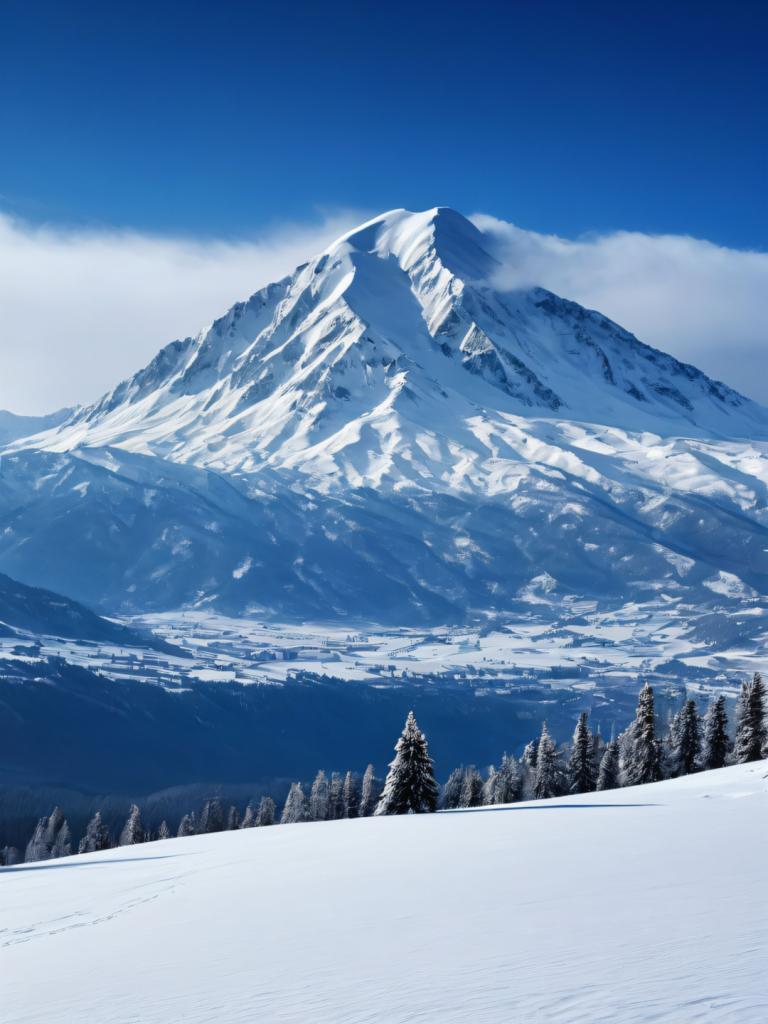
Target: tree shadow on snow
541,807
62,863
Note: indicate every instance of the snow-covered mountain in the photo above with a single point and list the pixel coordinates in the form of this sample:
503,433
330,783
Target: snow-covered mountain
628,906
387,434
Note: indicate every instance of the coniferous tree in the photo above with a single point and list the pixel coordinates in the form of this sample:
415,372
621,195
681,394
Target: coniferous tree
640,750
750,722
336,797
187,826
296,807
266,812
582,773
96,836
163,832
320,798
46,843
490,787
249,818
370,793
471,788
351,795
530,754
212,817
10,855
233,819
452,789
508,781
133,829
547,776
609,777
715,743
688,739
410,784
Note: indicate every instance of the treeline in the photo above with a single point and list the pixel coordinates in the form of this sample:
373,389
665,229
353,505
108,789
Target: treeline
642,753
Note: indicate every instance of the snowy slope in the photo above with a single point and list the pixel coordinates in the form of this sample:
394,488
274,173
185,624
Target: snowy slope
628,907
386,434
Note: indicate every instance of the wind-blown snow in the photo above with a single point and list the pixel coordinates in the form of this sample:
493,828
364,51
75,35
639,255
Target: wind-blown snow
627,907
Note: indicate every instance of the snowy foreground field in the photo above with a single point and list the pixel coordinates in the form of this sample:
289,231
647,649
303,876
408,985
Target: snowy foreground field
637,905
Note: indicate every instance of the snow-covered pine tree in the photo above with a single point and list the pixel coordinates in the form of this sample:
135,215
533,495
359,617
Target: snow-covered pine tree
410,784
249,818
10,855
716,743
163,832
45,843
530,754
490,787
608,776
211,817
319,798
640,750
266,813
581,771
750,722
452,789
233,819
336,797
187,826
688,739
547,774
508,781
96,836
133,829
296,807
471,788
351,795
370,793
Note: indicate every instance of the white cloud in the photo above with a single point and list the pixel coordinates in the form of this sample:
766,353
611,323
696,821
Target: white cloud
82,309
704,303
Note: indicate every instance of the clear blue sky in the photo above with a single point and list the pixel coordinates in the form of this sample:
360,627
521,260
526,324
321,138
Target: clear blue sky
223,117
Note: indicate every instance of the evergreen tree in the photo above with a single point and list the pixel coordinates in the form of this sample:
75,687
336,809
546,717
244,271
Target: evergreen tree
582,774
249,818
640,750
508,781
320,798
212,817
750,722
96,836
410,784
187,826
133,829
608,777
266,812
371,793
233,819
530,754
50,839
296,806
490,787
163,832
547,775
10,855
471,788
452,789
688,739
716,744
336,797
351,795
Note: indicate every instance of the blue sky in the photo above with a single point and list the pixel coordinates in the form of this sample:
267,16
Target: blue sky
223,118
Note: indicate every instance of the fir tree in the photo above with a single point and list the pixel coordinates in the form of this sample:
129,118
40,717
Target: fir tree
582,774
452,789
50,838
163,832
688,739
133,829
187,826
96,836
212,817
266,813
296,807
608,777
10,855
319,798
547,776
336,797
490,787
529,755
249,818
351,795
750,722
716,744
410,784
233,819
471,788
370,794
640,759
508,781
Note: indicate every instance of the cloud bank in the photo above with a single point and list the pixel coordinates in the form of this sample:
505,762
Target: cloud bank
80,310
701,302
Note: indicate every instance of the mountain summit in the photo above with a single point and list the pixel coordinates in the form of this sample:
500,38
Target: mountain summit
386,432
